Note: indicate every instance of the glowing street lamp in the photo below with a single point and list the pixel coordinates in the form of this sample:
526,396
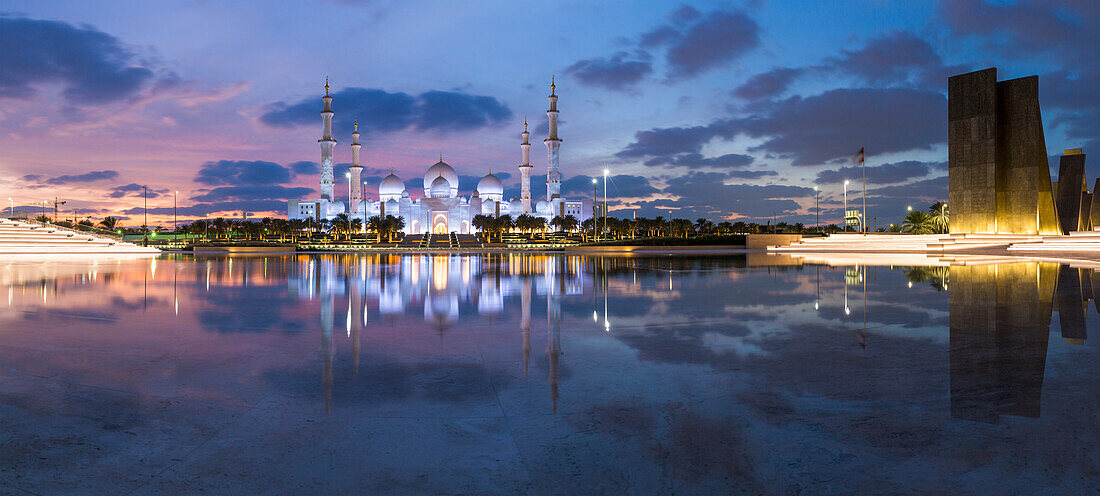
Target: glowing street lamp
817,208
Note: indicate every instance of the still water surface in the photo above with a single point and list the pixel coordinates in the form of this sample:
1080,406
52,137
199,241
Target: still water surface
542,374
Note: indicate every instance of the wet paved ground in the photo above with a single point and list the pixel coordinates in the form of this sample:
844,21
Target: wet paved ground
531,374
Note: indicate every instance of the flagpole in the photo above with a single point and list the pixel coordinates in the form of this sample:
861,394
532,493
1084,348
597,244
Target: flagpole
863,161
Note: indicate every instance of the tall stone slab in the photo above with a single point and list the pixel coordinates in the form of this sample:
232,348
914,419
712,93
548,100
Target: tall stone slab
998,177
1024,196
972,151
1071,188
1094,209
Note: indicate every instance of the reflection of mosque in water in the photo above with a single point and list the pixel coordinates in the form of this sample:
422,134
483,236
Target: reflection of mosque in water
439,285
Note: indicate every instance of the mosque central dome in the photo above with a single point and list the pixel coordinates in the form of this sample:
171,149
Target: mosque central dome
440,188
441,169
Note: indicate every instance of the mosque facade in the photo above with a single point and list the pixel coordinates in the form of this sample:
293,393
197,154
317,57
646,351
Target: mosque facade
439,209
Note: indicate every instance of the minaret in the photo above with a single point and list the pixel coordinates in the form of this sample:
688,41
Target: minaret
553,177
525,170
356,171
327,144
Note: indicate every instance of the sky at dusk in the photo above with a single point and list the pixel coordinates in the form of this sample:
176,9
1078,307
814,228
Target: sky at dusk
726,110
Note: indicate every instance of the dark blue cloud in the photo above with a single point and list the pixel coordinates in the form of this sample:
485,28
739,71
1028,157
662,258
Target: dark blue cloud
881,174
618,185
454,111
74,178
768,84
697,160
134,190
242,172
253,192
304,168
92,66
381,112
705,194
716,39
899,57
618,72
814,130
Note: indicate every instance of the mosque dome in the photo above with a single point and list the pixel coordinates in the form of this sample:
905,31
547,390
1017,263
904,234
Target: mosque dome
440,188
542,207
335,208
391,185
441,168
490,185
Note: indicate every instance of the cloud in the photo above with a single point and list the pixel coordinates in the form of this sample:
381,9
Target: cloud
69,179
304,168
617,72
816,129
935,187
92,66
768,84
253,192
881,174
696,160
618,185
705,194
716,39
381,112
132,189
242,172
454,111
200,209
896,58
757,174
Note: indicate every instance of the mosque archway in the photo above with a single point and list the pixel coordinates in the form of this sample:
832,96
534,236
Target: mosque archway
464,228
415,227
439,224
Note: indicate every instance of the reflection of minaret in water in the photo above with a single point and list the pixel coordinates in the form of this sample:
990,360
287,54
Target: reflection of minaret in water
525,322
327,350
355,321
553,338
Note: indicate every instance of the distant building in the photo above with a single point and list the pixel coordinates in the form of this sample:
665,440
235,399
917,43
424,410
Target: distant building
440,209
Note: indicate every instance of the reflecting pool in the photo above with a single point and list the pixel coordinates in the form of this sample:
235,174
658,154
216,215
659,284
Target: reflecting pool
548,374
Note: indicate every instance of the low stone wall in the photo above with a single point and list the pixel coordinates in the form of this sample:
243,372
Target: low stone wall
763,241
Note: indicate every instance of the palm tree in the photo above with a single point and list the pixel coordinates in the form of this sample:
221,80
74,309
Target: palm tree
566,223
110,223
538,224
940,217
393,226
917,222
376,225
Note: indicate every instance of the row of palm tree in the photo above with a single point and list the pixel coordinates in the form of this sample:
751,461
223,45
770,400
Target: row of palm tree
935,221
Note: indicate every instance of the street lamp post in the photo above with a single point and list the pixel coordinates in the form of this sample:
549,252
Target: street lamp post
145,213
595,206
817,207
605,173
174,216
845,226
10,199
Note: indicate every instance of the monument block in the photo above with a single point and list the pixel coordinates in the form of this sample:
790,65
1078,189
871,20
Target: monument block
998,178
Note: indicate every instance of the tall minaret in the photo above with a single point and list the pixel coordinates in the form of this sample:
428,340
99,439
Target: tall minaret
356,171
553,177
327,144
525,170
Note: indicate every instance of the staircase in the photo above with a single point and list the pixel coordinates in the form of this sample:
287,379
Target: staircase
23,238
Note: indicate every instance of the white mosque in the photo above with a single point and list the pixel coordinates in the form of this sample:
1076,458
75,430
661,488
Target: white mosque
439,209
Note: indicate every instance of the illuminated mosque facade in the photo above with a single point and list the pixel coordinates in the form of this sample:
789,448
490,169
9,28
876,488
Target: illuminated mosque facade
439,209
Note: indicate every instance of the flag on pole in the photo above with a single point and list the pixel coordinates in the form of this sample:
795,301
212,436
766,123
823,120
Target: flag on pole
859,156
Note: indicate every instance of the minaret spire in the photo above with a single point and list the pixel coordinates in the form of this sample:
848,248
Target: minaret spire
525,170
553,176
327,145
356,171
